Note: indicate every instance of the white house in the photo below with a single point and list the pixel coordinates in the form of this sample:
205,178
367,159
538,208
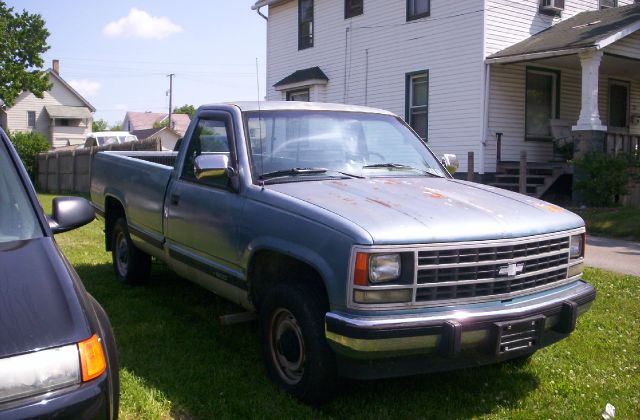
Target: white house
63,116
465,72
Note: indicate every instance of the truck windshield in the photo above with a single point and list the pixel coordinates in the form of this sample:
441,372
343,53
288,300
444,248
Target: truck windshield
358,144
18,220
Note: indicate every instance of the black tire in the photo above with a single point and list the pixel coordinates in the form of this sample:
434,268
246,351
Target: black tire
296,354
132,266
111,348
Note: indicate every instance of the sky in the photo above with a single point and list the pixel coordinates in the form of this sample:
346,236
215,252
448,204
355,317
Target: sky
118,53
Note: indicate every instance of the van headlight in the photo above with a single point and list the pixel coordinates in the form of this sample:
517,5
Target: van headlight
39,372
576,246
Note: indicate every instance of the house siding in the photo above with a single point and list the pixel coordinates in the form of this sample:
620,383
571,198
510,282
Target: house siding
27,101
509,22
394,48
628,46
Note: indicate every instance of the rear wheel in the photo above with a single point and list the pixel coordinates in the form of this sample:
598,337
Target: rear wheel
294,348
130,264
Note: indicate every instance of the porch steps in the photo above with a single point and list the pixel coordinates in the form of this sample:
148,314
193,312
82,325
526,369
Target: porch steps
540,176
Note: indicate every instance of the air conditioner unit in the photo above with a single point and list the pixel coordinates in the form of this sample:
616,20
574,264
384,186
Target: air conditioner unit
554,6
606,4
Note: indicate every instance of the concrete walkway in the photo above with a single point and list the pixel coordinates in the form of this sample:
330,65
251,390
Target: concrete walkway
613,255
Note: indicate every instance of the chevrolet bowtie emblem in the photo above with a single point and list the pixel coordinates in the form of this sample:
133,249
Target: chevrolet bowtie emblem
511,270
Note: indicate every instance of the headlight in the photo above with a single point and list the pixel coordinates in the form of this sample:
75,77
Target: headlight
576,246
46,370
38,372
384,267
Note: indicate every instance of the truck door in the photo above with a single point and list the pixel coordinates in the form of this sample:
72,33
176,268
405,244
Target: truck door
200,225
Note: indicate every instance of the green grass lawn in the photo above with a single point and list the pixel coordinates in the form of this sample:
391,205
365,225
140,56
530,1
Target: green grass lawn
178,361
614,223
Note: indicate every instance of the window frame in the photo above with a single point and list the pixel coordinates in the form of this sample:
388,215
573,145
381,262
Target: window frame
409,77
29,115
292,92
555,99
607,6
227,119
411,17
348,10
303,42
627,85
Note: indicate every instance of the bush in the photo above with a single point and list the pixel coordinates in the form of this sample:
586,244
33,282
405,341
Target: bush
28,145
601,177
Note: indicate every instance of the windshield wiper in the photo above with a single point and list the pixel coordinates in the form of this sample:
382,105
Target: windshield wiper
401,166
293,171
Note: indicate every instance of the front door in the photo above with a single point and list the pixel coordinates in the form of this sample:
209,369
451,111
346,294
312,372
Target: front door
201,226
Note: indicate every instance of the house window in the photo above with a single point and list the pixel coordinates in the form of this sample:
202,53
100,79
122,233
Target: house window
417,102
300,95
618,103
63,122
353,8
606,4
541,103
417,9
305,24
31,119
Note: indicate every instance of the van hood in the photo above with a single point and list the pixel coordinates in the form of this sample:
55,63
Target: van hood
39,305
416,210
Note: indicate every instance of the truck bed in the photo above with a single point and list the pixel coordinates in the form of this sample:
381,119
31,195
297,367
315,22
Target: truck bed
137,179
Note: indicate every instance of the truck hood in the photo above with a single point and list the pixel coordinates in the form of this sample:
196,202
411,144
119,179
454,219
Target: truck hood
39,306
414,210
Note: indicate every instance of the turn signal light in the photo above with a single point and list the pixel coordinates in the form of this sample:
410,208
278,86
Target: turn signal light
92,358
361,275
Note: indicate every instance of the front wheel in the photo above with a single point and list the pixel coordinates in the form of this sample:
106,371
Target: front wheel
131,264
297,356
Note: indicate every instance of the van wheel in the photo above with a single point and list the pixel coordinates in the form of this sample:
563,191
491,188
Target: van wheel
297,356
131,265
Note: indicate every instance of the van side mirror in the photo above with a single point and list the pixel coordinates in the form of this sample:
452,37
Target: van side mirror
214,166
451,163
70,213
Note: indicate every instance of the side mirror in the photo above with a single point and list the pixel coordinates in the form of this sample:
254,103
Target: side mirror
451,163
70,213
211,167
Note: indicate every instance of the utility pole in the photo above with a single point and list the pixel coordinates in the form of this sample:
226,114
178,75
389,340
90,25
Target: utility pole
170,76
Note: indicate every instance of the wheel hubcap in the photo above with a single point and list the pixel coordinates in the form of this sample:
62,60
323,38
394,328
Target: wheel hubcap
287,346
122,253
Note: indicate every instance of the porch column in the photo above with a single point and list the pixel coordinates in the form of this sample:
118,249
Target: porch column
589,113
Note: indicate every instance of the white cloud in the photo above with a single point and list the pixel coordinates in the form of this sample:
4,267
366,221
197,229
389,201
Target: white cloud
140,24
86,87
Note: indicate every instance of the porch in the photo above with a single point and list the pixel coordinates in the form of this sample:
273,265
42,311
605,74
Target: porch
68,125
568,90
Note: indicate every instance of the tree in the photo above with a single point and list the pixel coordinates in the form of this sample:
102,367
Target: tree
190,110
99,125
23,41
161,124
116,127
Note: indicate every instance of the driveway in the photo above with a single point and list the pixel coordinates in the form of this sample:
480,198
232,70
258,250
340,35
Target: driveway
613,255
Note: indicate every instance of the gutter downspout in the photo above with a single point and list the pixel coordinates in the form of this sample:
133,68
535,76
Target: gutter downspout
261,14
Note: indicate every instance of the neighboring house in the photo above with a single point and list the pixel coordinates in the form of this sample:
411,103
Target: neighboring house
63,116
134,121
463,73
168,137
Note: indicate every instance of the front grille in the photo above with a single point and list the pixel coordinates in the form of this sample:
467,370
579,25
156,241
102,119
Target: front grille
484,270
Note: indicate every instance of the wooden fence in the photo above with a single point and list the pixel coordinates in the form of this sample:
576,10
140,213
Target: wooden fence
69,170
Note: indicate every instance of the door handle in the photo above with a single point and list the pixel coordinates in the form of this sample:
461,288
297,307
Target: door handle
175,199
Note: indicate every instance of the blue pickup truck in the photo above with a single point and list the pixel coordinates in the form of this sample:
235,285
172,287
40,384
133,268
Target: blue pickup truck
362,256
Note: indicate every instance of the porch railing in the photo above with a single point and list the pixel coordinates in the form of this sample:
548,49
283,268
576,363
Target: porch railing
623,143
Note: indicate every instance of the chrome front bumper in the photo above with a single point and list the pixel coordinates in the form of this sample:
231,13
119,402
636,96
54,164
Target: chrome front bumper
460,338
